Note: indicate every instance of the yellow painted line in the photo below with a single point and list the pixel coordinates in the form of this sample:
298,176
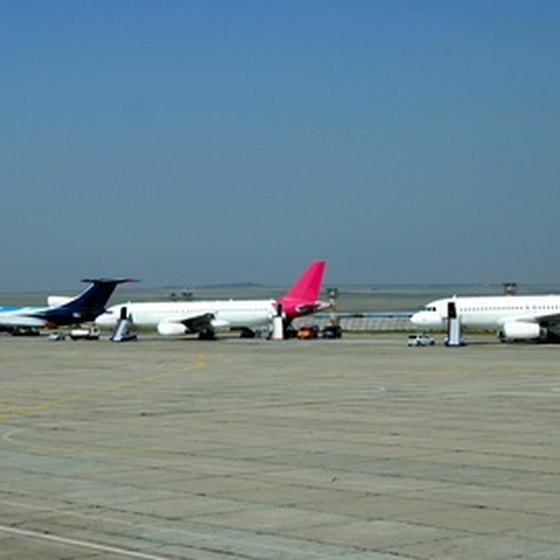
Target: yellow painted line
200,362
74,450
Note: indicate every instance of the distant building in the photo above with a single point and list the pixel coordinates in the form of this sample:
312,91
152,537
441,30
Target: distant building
510,288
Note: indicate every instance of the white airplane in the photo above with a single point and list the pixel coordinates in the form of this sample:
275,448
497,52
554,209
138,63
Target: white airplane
174,318
516,318
60,310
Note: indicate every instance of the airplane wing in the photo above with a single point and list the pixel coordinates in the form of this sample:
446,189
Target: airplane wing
546,319
177,326
542,318
198,323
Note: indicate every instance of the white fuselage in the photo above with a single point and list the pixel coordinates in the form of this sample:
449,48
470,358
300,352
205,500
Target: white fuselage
21,317
490,311
225,314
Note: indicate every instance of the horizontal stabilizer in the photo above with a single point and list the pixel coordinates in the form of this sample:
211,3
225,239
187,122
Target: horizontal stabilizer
109,280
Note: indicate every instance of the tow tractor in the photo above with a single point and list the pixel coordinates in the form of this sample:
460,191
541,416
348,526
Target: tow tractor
85,334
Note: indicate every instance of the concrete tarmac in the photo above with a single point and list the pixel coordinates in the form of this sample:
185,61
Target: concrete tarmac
260,450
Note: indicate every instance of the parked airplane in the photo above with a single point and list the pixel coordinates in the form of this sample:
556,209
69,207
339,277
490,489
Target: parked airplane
60,310
175,318
516,318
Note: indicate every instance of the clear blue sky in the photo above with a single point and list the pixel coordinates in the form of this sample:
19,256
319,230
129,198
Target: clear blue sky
187,142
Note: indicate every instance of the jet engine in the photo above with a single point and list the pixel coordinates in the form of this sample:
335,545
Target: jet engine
519,330
167,328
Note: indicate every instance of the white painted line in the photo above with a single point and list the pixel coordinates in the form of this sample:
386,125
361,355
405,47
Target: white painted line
82,544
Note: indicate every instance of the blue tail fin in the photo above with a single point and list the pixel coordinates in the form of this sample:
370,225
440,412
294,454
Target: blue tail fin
86,306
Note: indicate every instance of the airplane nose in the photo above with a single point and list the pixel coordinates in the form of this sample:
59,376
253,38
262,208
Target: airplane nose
427,319
417,319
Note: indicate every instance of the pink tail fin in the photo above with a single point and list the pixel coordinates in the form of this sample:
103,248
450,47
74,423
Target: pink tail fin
308,286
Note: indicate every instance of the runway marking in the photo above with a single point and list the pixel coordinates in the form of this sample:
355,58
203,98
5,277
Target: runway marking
30,447
79,543
200,361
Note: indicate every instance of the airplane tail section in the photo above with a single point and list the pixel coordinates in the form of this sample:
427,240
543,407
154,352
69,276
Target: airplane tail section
85,306
303,297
